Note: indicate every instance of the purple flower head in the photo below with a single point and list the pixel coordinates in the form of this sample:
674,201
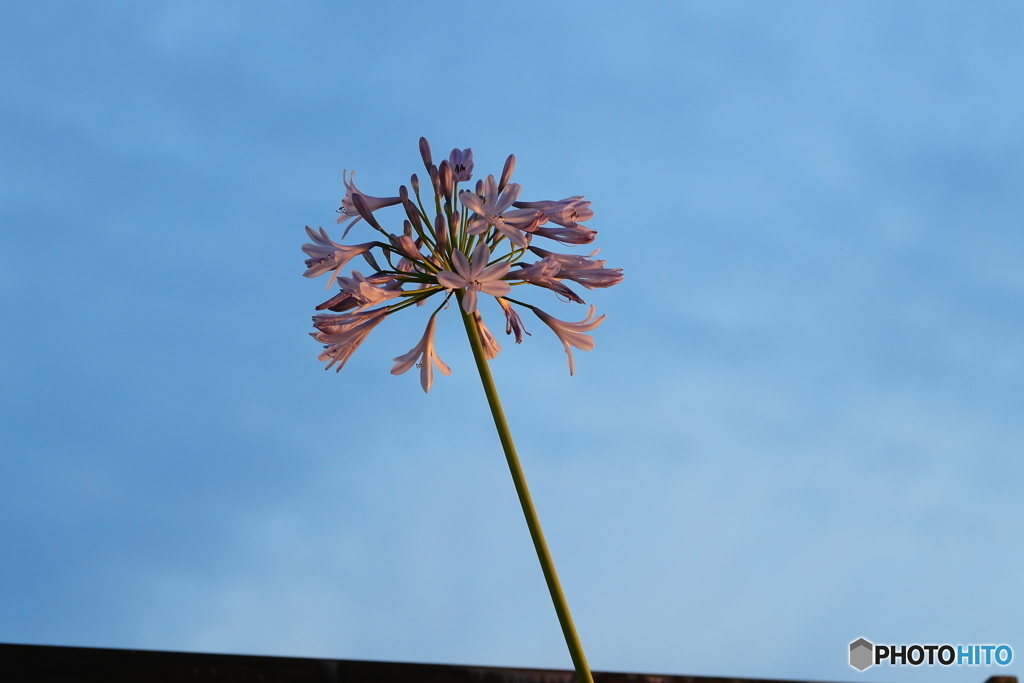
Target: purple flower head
446,243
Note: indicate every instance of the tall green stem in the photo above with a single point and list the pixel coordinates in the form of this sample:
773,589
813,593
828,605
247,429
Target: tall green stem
547,565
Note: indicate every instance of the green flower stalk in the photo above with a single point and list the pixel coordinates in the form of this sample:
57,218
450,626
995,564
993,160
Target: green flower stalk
477,242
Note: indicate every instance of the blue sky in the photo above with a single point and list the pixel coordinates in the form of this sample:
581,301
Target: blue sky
801,423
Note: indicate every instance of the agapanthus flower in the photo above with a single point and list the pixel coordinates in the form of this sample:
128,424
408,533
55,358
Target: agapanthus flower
567,212
474,276
365,291
588,272
491,210
461,163
326,255
342,334
572,234
513,323
348,208
405,246
491,346
427,257
424,357
544,273
571,334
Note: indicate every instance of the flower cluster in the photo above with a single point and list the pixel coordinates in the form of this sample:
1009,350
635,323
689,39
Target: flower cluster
459,241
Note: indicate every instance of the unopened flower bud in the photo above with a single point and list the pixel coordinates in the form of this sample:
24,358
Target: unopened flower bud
444,173
404,246
342,301
435,180
440,233
425,153
414,215
403,193
407,228
364,211
372,261
455,220
415,182
506,171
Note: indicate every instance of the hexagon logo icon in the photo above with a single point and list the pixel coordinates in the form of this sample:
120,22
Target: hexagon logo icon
861,654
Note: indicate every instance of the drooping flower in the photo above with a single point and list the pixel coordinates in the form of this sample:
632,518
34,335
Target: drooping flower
491,346
348,209
424,357
325,255
571,334
491,209
544,273
342,334
474,276
461,163
513,323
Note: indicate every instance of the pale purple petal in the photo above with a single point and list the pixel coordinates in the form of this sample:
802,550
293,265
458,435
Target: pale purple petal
450,280
481,255
523,215
441,365
490,190
476,226
495,272
426,373
495,288
462,265
514,235
508,195
471,201
407,360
